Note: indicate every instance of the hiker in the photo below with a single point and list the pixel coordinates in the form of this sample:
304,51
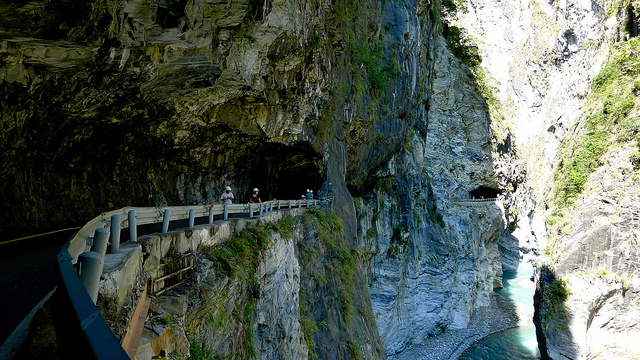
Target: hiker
255,198
227,196
309,194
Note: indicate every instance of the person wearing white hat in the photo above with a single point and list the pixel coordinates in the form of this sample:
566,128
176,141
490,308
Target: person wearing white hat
309,194
227,196
255,198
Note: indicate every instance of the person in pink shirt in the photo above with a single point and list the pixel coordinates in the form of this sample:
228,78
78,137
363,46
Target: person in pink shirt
227,196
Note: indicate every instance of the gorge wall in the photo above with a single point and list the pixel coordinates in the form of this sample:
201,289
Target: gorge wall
566,74
140,103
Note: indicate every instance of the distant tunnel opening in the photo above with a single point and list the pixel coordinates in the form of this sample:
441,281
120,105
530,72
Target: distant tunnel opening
484,192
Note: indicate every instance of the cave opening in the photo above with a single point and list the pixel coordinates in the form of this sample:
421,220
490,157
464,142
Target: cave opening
484,192
169,13
226,157
286,172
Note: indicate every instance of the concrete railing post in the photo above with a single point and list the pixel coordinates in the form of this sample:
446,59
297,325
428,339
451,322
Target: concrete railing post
115,234
261,206
165,221
211,215
299,203
289,204
100,240
278,204
133,230
226,211
271,206
250,211
91,264
192,216
308,202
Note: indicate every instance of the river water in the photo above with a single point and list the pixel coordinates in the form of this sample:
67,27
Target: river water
517,343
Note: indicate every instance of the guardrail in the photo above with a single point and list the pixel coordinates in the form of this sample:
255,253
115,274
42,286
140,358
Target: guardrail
478,200
81,330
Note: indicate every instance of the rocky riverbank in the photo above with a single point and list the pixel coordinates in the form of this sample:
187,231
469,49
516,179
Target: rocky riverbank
499,315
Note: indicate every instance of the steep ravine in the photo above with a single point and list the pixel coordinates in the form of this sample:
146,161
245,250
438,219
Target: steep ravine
566,74
434,259
149,103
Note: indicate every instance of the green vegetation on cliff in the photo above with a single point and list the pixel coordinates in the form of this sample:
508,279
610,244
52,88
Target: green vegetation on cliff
333,301
458,40
237,260
611,117
239,257
331,279
610,121
551,309
359,73
372,101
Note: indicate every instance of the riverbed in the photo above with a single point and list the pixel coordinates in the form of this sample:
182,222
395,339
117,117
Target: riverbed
516,343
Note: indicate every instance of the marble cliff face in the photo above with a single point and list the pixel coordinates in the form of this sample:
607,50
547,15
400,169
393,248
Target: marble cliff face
146,103
561,69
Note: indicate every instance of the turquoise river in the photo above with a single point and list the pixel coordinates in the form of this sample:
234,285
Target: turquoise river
517,343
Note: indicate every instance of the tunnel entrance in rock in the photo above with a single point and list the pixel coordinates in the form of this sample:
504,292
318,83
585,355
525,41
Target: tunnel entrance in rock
286,172
484,192
169,13
225,157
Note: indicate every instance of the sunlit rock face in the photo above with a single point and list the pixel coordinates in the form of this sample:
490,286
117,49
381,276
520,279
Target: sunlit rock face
598,261
544,57
434,259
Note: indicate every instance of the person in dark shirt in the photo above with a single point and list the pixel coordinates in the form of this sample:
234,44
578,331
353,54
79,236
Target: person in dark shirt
255,198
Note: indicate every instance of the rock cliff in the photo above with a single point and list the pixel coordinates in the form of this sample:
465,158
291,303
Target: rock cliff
434,258
289,290
565,74
147,102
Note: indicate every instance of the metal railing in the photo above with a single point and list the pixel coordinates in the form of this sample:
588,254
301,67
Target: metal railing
81,330
131,217
478,200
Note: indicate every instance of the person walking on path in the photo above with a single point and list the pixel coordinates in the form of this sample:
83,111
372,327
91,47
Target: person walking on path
255,199
309,194
227,196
